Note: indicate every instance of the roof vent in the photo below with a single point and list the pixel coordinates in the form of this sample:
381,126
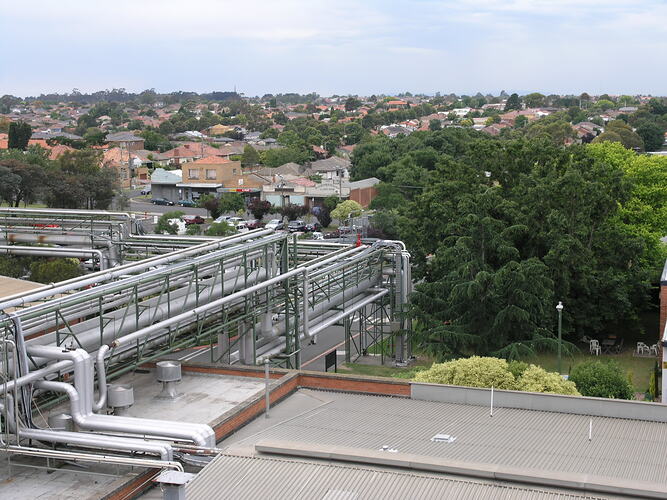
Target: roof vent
61,422
443,438
387,449
168,372
120,398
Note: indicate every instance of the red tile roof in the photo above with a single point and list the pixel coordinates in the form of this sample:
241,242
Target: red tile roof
210,160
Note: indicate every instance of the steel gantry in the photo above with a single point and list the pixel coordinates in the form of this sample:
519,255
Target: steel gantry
242,297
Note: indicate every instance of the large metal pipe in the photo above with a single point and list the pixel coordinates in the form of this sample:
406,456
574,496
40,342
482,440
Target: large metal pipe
20,300
81,403
90,457
98,441
200,434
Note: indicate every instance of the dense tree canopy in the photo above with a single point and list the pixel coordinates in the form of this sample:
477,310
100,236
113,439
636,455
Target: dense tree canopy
501,230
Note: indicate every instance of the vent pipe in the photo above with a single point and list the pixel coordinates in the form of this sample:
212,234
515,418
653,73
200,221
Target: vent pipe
168,372
119,398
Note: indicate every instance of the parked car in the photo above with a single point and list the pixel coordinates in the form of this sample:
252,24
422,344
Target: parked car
241,227
315,226
186,203
222,218
193,219
162,201
146,190
295,226
254,224
236,220
275,224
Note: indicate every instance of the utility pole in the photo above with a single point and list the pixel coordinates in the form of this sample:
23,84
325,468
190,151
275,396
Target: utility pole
559,308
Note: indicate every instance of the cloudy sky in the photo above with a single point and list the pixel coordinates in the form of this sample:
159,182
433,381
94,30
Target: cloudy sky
334,46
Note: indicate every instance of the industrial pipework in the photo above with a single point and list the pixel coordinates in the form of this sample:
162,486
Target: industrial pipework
261,293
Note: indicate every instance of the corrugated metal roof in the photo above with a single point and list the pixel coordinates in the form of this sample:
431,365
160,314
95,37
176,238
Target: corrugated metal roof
556,442
237,477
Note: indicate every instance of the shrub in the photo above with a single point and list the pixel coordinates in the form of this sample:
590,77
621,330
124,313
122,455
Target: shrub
472,372
164,226
259,208
537,379
601,380
54,270
324,217
11,266
220,229
293,212
193,230
517,368
498,373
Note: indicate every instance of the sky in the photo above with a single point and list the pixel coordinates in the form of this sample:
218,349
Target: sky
335,46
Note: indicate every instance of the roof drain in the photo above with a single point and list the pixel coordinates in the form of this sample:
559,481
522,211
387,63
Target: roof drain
168,372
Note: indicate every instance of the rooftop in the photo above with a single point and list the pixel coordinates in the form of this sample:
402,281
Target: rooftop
549,447
229,477
123,137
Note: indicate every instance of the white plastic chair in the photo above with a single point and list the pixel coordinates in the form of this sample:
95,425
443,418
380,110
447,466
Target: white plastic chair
654,349
595,347
642,348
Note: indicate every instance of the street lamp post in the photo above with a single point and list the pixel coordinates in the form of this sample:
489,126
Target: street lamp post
559,308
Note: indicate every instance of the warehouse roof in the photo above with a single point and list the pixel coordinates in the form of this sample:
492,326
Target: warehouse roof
232,477
538,443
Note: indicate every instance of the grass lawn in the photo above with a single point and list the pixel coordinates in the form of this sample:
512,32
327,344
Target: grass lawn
384,371
640,368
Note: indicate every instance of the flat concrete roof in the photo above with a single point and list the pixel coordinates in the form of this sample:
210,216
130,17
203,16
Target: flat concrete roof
10,286
205,398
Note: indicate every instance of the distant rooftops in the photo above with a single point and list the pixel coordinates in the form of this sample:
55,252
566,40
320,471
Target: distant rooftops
123,137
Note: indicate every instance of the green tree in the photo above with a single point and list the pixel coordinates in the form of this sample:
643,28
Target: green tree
211,204
434,125
154,141
330,202
164,226
352,103
652,134
513,103
346,209
54,270
19,135
95,136
32,178
534,100
601,380
10,184
250,156
231,202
